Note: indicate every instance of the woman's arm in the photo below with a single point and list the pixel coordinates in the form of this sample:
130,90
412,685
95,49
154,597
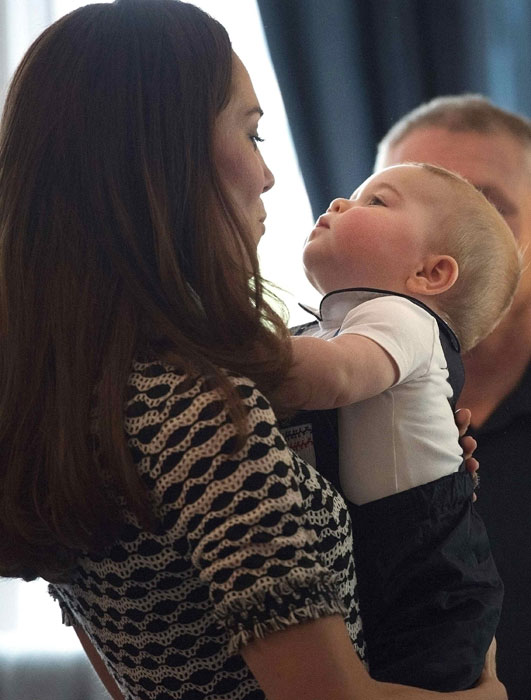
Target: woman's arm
335,372
316,660
98,665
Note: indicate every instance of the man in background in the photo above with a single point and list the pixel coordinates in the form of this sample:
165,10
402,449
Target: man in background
491,147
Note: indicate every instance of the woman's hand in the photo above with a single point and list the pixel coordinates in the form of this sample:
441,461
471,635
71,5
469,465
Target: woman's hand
488,678
489,669
468,444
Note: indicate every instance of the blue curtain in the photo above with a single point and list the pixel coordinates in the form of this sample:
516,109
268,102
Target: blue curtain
348,69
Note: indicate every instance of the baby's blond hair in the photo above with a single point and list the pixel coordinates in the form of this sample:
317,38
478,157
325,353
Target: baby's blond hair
490,264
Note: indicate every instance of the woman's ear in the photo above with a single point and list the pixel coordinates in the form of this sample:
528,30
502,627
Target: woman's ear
437,274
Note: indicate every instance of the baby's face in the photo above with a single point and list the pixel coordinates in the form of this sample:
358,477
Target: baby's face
379,236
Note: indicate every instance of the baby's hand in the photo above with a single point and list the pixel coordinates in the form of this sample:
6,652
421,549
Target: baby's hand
468,444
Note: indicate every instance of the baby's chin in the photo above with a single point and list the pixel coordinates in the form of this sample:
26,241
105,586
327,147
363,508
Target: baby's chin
311,278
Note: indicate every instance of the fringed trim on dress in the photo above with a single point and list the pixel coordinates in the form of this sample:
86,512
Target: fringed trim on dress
287,603
67,617
260,630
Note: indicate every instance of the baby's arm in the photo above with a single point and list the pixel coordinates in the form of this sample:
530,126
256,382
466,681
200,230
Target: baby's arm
336,372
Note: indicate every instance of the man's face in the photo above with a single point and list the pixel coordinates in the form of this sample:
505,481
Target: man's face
495,163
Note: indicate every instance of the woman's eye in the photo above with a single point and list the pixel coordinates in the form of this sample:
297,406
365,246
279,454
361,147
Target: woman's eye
256,139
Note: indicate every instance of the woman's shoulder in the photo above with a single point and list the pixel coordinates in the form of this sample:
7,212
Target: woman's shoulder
148,374
154,382
163,401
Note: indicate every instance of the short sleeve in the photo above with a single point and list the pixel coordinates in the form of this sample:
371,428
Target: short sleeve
238,518
406,331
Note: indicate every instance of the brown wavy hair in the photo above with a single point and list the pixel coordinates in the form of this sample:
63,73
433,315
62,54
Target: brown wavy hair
117,241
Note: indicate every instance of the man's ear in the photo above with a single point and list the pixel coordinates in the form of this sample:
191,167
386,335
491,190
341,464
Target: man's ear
437,274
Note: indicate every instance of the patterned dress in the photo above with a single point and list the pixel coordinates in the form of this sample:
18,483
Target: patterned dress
246,544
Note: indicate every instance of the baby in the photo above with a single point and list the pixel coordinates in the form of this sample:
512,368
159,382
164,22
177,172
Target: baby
414,267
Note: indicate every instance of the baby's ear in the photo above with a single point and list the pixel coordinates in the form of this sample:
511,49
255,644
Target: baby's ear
437,274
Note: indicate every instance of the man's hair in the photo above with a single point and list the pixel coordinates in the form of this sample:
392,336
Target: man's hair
467,112
475,234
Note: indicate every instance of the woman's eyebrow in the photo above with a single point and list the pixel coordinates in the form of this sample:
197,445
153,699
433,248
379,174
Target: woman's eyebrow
255,110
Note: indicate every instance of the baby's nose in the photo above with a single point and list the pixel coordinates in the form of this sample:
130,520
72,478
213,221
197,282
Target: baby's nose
339,205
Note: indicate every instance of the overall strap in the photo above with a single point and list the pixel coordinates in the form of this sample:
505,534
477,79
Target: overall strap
456,371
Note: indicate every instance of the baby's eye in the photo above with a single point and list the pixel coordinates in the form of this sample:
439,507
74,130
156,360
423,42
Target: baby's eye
376,201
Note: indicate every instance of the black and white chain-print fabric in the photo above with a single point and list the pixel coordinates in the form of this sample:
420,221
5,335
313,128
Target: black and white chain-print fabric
246,544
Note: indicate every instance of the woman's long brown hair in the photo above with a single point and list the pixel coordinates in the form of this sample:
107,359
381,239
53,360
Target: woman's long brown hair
116,241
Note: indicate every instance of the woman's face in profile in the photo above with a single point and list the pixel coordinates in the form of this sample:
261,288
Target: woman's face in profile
236,151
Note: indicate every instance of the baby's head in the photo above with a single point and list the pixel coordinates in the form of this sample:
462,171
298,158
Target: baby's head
489,261
420,230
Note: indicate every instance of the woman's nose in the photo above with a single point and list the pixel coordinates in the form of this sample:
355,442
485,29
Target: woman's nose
339,205
269,178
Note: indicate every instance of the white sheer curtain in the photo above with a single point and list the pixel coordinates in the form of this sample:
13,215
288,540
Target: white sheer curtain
20,22
39,658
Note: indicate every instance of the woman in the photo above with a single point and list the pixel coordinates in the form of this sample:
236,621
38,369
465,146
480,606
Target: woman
194,554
